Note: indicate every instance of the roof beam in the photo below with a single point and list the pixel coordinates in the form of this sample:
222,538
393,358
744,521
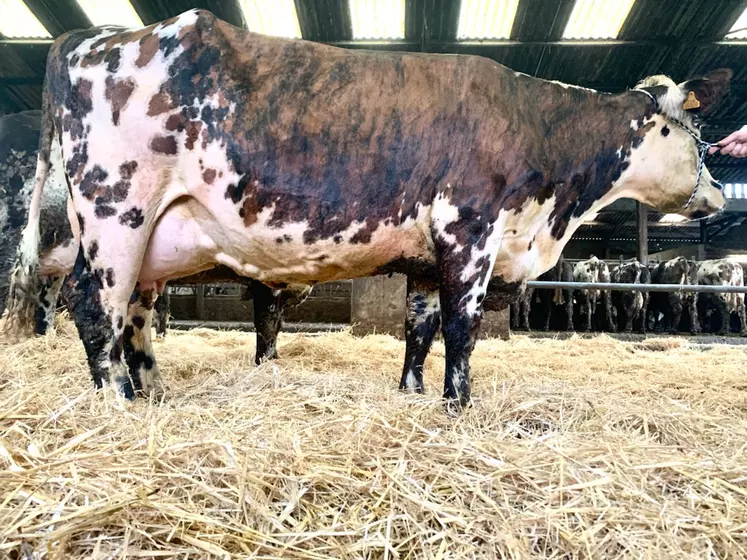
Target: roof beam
59,16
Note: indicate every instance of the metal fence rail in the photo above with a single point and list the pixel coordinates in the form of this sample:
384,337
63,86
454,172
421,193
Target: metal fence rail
639,287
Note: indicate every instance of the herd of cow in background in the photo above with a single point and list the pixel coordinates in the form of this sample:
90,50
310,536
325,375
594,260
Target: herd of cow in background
628,311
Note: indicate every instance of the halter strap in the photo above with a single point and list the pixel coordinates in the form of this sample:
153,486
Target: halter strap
701,145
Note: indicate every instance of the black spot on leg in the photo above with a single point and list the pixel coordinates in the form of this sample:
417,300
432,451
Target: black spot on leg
120,321
138,321
110,277
133,218
665,131
93,250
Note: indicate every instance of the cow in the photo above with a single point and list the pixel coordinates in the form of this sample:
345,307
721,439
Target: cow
294,162
19,142
630,307
596,271
665,308
722,272
520,309
546,300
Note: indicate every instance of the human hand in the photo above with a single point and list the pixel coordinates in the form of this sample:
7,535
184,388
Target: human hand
734,145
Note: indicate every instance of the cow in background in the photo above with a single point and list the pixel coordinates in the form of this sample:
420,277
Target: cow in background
555,300
666,308
596,271
631,307
520,309
722,272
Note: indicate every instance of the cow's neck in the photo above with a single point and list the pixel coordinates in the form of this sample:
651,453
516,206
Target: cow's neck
573,169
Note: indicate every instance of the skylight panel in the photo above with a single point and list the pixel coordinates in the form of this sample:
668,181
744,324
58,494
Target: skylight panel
378,19
111,12
739,29
597,19
271,17
17,21
486,19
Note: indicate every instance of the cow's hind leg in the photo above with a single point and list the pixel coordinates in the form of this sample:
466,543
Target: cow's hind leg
739,298
138,350
268,320
49,293
98,300
421,323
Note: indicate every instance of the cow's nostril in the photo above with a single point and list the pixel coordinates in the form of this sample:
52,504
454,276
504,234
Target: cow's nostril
717,185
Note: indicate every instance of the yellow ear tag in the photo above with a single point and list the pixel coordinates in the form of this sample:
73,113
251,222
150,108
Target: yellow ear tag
691,102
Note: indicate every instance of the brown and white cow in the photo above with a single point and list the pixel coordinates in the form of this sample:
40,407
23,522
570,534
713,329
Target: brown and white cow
595,271
295,162
666,308
722,272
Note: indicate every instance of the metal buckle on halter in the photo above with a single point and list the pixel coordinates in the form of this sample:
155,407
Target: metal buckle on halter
701,144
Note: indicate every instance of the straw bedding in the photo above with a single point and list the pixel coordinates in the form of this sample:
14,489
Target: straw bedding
573,449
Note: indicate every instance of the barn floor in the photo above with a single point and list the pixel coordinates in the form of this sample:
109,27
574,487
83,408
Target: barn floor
574,448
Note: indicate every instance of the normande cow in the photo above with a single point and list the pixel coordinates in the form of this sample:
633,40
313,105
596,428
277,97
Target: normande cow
294,162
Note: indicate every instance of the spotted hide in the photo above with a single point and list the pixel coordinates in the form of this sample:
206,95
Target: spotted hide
19,142
306,163
594,270
666,308
723,272
630,308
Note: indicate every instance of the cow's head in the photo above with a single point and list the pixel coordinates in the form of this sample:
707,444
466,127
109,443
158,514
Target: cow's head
663,169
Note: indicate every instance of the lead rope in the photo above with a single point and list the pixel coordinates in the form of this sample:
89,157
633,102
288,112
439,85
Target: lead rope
701,144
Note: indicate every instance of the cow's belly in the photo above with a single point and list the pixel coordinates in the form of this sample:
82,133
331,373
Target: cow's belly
187,240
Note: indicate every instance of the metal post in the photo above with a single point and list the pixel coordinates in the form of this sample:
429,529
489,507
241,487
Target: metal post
200,302
703,240
642,237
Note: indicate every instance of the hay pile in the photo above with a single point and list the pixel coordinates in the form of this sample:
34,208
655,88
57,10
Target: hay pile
580,448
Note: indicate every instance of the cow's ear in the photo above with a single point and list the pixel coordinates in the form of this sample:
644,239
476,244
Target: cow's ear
702,94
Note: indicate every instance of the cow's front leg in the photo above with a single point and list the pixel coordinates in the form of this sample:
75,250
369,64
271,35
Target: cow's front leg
695,327
739,298
675,313
49,293
268,320
607,302
421,323
569,310
725,314
590,309
466,249
138,349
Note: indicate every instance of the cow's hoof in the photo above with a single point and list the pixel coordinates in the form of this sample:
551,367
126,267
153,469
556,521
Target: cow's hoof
455,407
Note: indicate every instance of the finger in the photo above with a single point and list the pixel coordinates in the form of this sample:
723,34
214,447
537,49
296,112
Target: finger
728,149
713,149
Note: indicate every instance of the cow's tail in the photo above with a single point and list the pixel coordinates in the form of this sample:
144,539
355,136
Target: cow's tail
25,283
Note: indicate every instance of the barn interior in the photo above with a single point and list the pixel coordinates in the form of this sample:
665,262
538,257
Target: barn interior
604,44
573,447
